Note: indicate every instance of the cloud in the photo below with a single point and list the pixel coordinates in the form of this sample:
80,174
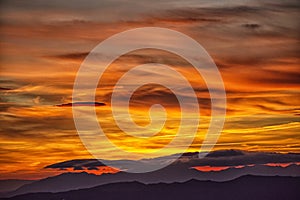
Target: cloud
76,163
246,158
81,104
71,56
222,158
3,88
251,26
283,78
255,45
37,100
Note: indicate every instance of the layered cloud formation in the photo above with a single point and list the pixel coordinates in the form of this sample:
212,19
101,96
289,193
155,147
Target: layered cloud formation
222,159
255,44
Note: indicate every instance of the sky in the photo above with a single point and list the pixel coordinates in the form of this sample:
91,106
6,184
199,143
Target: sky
255,45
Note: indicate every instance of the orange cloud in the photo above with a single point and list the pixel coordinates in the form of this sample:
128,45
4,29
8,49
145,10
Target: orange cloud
210,168
40,56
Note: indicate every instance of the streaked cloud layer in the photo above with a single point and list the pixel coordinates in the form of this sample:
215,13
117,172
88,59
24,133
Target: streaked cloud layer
255,44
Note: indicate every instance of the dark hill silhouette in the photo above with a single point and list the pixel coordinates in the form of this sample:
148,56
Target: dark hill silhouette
246,188
253,163
12,184
170,174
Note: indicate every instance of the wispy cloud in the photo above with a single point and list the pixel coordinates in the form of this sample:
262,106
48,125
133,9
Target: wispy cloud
255,44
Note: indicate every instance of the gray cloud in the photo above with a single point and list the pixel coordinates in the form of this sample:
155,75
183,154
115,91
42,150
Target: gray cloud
81,104
215,158
72,56
251,26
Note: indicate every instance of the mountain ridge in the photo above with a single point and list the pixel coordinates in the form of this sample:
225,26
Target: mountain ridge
245,187
170,174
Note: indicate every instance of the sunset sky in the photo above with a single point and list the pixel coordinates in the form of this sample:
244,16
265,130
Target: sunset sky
255,45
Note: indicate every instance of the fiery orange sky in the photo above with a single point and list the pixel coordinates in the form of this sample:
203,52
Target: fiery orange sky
255,45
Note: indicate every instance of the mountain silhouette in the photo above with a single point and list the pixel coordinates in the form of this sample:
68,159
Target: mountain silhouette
170,174
12,184
246,188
